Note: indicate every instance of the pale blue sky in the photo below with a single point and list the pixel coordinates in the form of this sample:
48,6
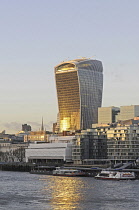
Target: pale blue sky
36,35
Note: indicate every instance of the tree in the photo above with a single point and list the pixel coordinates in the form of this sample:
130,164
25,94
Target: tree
19,154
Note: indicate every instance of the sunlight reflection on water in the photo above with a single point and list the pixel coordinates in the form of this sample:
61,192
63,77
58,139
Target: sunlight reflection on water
65,192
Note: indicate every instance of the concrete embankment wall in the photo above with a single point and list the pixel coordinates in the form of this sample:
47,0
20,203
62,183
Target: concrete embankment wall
15,167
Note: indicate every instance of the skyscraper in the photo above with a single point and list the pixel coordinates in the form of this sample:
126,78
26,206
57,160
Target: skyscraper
79,86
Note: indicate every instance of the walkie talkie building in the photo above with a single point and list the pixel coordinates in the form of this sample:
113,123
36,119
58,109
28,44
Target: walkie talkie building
79,86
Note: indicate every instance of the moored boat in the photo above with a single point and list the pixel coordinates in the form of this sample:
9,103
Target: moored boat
46,170
115,175
67,172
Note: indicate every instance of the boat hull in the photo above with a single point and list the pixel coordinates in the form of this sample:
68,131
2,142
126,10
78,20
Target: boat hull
116,179
115,175
42,172
69,175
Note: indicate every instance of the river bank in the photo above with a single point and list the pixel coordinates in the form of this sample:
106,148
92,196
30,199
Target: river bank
21,167
47,170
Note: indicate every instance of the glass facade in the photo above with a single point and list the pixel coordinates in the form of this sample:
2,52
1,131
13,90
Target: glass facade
89,145
79,86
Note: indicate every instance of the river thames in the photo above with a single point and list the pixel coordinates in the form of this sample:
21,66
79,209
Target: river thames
24,191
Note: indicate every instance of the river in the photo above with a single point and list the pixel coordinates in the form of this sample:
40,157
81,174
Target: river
24,191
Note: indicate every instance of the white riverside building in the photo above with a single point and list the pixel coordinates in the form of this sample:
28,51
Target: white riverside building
58,151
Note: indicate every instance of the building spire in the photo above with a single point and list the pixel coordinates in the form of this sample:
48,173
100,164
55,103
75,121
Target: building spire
42,127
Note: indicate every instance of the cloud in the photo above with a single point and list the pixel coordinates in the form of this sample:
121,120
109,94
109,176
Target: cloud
37,126
14,127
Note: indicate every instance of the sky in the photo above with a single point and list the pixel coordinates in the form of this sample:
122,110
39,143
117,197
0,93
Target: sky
36,35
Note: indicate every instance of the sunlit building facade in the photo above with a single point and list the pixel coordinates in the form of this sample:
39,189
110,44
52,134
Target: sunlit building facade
123,143
79,86
107,115
128,112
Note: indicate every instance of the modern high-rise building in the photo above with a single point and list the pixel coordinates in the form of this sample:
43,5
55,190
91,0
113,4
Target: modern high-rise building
79,86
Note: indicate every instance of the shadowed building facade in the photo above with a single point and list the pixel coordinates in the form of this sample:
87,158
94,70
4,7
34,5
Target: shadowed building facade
79,85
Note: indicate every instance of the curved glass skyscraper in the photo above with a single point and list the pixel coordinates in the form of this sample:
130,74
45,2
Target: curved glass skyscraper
79,86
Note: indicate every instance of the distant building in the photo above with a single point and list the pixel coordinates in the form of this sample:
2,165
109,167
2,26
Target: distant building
36,136
60,139
134,121
54,127
128,112
79,86
26,127
19,137
107,115
40,135
5,136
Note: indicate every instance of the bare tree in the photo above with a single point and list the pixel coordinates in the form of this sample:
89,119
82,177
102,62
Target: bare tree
4,156
19,154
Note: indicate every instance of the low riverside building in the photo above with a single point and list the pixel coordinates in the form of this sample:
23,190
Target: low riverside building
49,153
89,146
123,143
57,149
122,140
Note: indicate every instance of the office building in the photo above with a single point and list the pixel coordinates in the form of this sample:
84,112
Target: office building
107,115
26,127
128,112
79,86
